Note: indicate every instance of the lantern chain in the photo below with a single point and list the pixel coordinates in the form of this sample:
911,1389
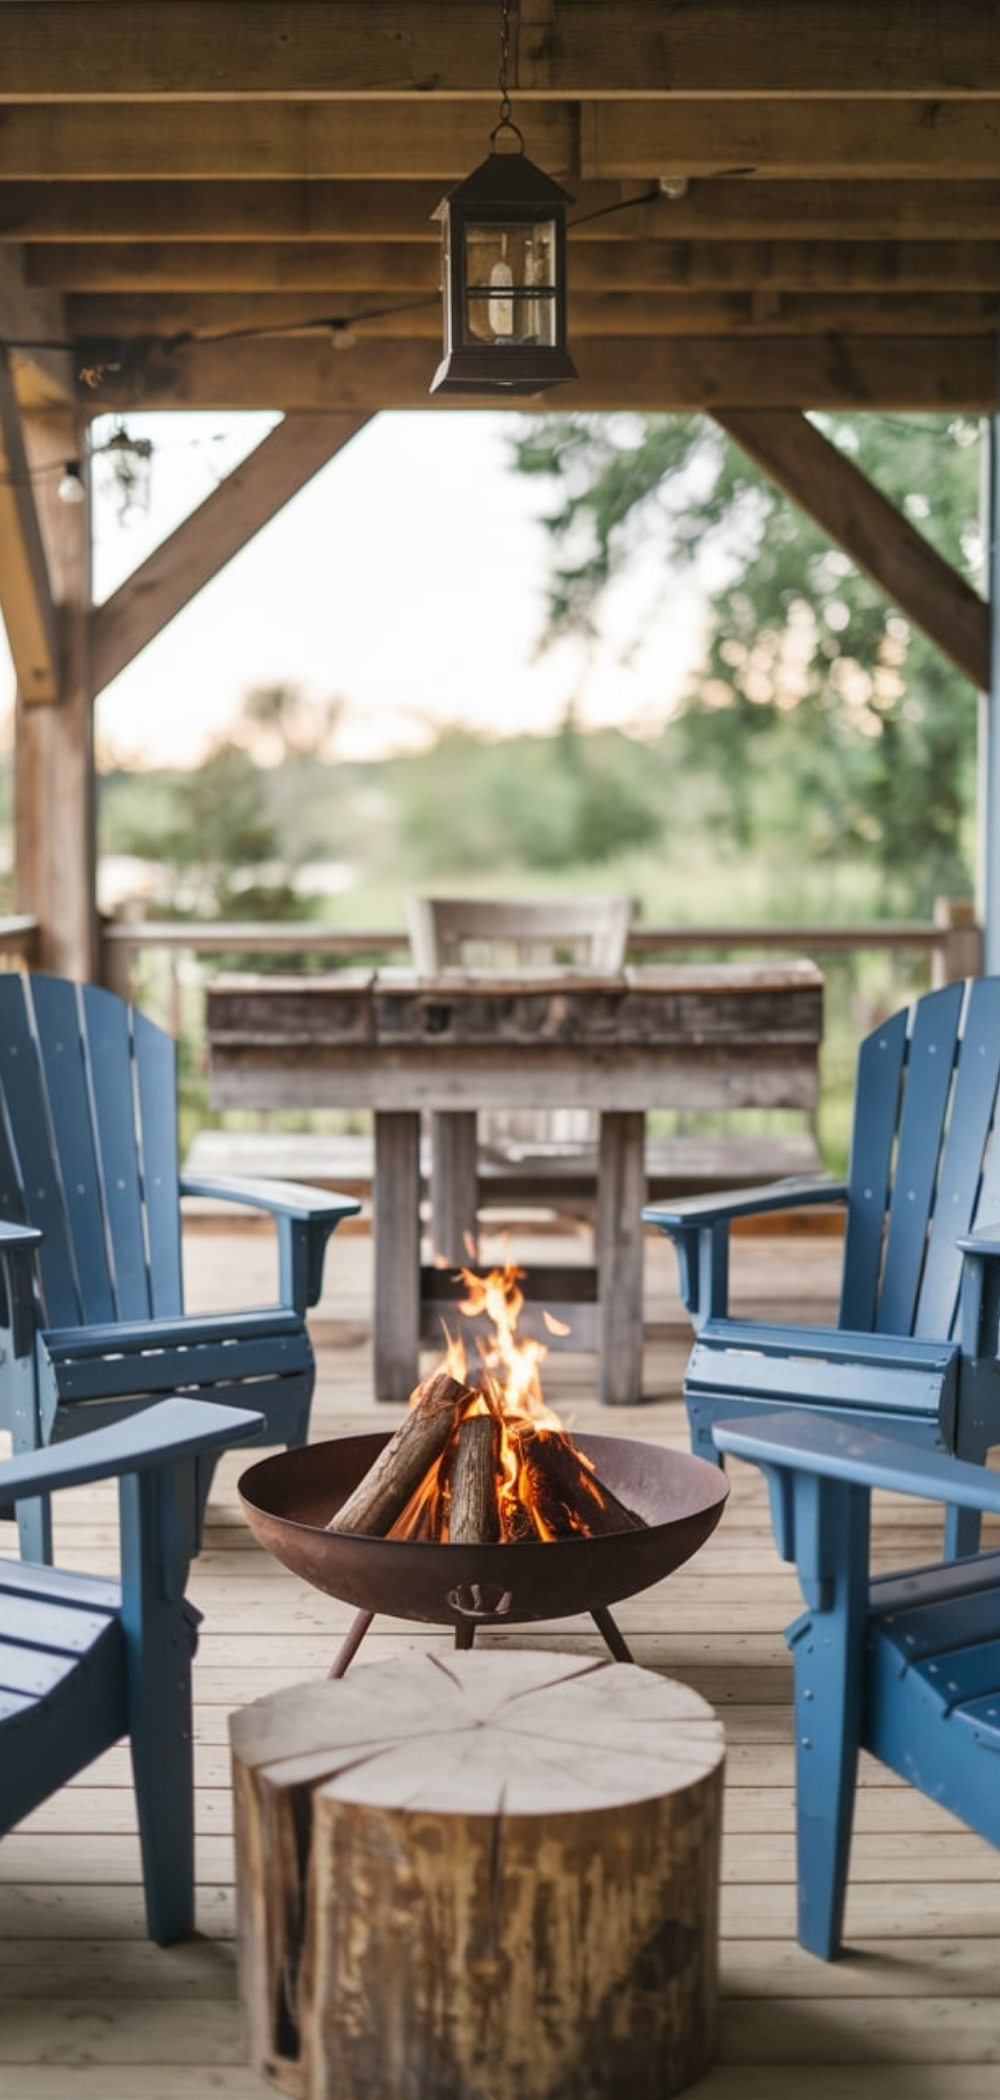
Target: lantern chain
504,61
506,123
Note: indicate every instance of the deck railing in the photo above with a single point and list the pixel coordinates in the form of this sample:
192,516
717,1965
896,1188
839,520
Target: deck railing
870,970
20,944
950,943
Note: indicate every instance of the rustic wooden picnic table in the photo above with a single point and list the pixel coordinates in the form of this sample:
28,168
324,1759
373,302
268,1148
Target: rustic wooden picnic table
692,1036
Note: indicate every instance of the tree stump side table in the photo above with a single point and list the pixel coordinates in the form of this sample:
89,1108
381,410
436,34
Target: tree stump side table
479,1877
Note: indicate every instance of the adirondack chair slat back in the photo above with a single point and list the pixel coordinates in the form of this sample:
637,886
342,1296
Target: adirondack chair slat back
89,1149
922,1168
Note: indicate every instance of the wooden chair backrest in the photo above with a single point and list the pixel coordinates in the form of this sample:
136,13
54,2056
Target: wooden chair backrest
88,1149
925,1159
518,933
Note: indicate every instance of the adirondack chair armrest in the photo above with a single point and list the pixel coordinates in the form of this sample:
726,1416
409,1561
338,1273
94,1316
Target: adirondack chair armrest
821,1446
17,1283
985,1240
171,1429
699,1229
820,1473
304,1216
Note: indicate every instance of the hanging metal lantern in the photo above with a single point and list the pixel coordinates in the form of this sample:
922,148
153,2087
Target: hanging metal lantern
504,278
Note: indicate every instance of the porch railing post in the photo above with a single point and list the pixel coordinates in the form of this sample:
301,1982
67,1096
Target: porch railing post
960,953
988,814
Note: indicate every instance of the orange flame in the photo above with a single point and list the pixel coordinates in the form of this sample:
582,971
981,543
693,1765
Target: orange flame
508,1386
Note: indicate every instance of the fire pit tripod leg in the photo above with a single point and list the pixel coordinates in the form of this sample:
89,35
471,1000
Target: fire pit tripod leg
615,1639
346,1653
465,1634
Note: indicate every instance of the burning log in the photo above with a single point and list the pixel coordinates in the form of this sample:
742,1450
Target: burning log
565,1495
475,1482
407,1458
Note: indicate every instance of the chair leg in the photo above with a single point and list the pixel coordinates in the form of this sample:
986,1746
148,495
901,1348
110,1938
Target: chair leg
975,1435
961,1532
34,1530
34,1517
828,1646
164,1792
701,1415
161,1637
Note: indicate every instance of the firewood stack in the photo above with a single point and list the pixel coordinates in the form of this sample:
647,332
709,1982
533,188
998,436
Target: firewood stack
461,1468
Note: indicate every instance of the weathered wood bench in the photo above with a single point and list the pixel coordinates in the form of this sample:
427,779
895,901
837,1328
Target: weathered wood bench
675,1166
407,1047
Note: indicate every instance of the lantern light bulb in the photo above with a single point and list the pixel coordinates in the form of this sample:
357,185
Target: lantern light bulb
501,311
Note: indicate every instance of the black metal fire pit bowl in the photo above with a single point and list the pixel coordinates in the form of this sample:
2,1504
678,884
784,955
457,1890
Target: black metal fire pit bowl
290,1498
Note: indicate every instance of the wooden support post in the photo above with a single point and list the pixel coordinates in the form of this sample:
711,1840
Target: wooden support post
480,1877
988,770
397,1254
55,845
454,1188
621,1194
961,951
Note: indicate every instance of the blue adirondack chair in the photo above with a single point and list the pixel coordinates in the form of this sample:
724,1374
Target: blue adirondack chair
84,1661
90,1240
906,1666
915,1350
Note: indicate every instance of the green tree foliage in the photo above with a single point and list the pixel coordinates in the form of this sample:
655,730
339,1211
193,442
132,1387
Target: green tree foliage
543,803
820,714
208,830
229,835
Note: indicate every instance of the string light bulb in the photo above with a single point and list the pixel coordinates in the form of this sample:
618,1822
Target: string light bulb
71,487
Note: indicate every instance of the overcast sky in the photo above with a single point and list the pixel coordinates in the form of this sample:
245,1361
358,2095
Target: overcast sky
407,579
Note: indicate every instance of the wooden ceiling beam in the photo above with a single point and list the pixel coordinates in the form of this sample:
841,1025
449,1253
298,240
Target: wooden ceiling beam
697,372
826,484
162,48
228,519
33,327
804,138
396,272
26,602
401,141
99,321
298,211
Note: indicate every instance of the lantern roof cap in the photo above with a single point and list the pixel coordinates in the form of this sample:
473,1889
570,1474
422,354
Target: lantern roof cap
505,179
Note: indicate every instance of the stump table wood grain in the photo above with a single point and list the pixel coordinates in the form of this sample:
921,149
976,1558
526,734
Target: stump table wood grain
479,1877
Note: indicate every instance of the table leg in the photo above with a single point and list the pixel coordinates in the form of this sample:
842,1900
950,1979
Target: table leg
454,1187
396,1234
621,1193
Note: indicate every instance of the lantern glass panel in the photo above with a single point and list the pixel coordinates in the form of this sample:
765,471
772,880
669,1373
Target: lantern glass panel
510,294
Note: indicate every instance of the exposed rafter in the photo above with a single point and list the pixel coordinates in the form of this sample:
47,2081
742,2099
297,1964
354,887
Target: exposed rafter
25,591
673,373
829,166
823,481
227,520
160,49
642,138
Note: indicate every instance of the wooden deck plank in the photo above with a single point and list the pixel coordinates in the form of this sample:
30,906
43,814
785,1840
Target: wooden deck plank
139,2030
868,2081
90,2011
